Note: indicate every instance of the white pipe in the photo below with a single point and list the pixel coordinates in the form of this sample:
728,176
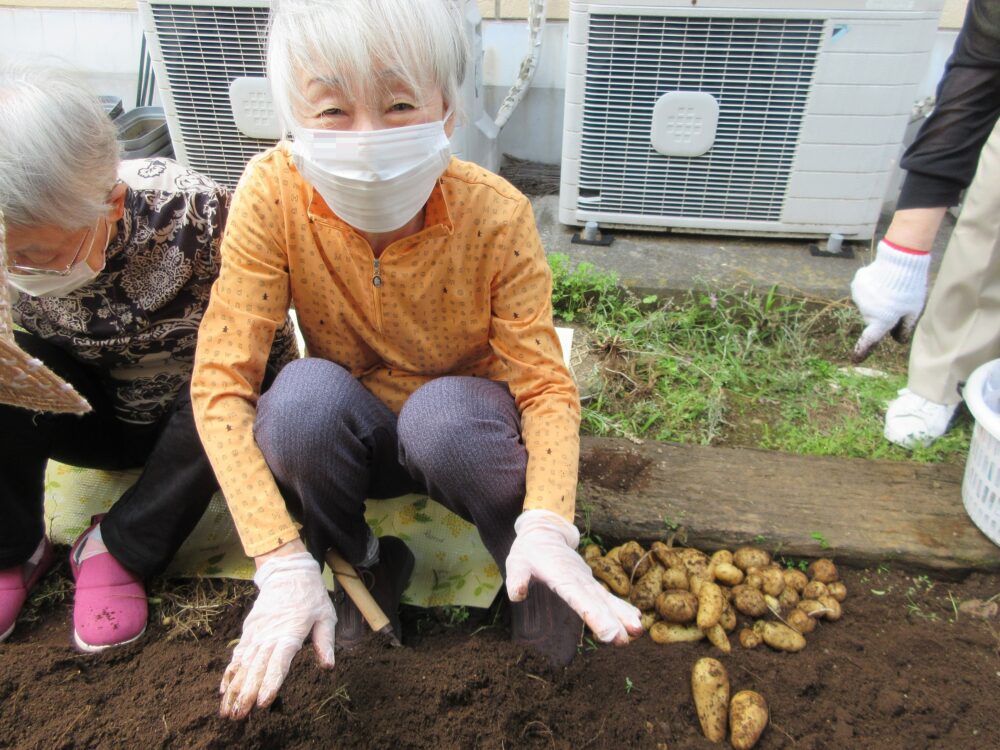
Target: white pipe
536,24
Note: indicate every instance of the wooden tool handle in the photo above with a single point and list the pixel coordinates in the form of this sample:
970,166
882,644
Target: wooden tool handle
347,576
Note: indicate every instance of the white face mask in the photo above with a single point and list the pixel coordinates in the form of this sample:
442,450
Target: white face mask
375,180
80,274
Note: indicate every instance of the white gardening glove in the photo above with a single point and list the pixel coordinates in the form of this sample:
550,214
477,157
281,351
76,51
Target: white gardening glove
293,602
890,293
545,550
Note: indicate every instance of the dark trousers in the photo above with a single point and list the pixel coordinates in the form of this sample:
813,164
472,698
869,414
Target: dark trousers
148,524
331,444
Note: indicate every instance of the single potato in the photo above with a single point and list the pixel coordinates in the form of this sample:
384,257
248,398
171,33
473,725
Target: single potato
837,590
591,552
727,573
798,620
710,605
823,570
779,636
675,578
748,717
635,562
710,690
832,606
772,581
716,635
644,592
672,632
609,571
750,639
795,579
722,556
749,601
667,556
677,606
749,557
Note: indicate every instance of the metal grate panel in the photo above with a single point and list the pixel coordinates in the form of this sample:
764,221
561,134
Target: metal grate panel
204,48
760,72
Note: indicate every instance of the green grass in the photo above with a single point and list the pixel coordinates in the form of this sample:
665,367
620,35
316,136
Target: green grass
736,367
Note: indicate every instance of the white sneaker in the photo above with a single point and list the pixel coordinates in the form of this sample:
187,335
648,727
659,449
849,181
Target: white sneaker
912,420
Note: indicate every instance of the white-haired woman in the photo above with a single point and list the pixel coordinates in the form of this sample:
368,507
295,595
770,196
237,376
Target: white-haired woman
424,297
113,263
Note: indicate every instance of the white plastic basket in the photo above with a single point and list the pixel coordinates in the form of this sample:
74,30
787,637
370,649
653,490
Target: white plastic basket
981,484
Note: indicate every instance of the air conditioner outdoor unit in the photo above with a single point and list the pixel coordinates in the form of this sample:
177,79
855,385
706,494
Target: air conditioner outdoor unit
199,48
739,117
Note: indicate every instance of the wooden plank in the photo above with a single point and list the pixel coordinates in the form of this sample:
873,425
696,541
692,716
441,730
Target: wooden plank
868,512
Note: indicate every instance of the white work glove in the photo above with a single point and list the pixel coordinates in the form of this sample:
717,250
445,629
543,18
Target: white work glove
293,602
890,293
545,550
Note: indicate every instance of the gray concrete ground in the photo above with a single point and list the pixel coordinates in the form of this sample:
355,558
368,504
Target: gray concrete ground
667,264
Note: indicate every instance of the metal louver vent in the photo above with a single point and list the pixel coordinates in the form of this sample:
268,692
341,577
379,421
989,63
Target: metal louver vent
759,71
204,48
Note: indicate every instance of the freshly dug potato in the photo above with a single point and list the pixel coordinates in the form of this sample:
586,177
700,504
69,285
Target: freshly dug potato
812,607
722,557
591,552
789,598
694,584
750,639
672,632
716,635
697,564
773,604
611,573
635,562
667,556
710,605
646,589
749,557
772,581
647,619
798,620
754,581
677,606
749,601
823,570
727,573
675,578
837,590
728,619
779,636
612,554
833,610
710,690
814,590
748,717
795,579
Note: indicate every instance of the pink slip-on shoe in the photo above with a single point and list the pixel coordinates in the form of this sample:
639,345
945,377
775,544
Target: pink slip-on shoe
109,606
17,582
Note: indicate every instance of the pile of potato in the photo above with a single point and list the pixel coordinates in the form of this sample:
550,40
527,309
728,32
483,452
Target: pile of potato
686,595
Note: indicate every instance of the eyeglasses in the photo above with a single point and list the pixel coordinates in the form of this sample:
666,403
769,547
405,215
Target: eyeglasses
35,271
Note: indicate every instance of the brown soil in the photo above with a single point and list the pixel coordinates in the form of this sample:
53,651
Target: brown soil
904,668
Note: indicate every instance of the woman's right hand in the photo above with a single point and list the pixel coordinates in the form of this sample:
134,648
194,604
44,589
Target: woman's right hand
292,604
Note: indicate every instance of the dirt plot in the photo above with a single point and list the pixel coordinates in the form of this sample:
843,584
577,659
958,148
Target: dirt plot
906,667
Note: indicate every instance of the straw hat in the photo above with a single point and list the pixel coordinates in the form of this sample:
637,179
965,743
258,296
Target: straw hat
24,380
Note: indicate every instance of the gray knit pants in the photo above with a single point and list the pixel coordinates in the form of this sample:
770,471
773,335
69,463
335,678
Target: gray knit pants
331,445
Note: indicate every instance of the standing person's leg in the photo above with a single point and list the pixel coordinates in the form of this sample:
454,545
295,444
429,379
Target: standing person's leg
460,437
330,445
958,330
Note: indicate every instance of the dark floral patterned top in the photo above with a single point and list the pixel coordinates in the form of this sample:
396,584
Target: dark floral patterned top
138,320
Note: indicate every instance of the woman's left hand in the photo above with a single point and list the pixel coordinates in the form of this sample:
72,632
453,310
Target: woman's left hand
545,550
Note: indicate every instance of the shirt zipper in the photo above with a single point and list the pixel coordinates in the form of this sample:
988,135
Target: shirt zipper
377,293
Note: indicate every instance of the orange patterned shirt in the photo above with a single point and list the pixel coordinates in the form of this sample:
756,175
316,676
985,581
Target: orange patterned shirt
470,294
